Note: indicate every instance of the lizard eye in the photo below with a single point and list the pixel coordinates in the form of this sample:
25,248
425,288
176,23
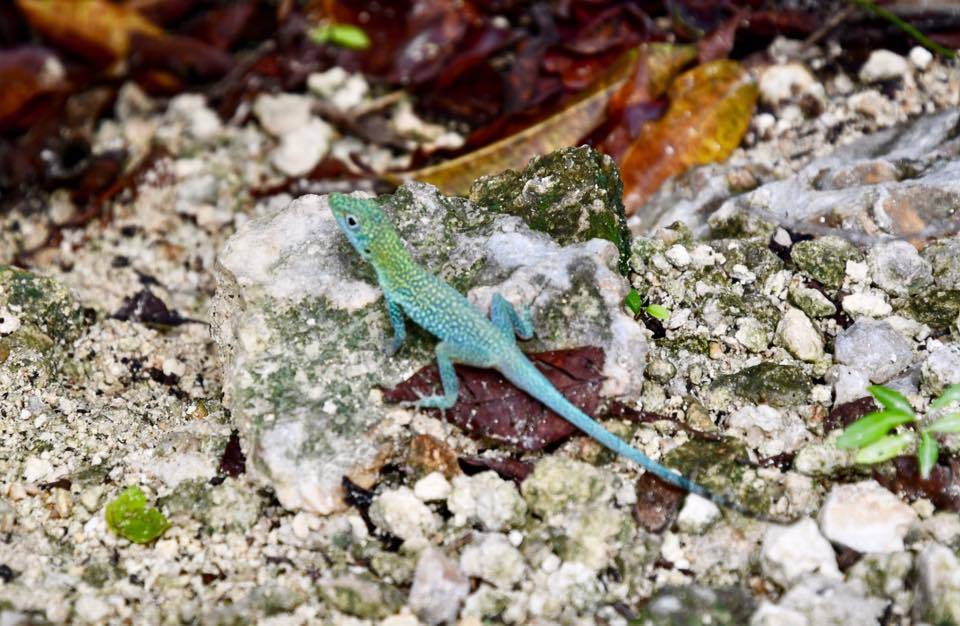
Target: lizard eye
352,222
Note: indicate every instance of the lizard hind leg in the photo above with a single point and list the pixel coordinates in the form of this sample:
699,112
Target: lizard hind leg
506,318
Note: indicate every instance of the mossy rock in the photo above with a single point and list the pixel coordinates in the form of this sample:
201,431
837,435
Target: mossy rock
362,596
572,194
938,308
825,259
694,606
43,304
768,383
722,466
755,254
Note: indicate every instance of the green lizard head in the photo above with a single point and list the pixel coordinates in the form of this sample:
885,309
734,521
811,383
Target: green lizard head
364,224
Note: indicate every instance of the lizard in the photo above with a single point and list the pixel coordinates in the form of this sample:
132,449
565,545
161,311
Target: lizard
469,337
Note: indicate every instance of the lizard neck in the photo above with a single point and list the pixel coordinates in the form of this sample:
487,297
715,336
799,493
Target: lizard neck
390,259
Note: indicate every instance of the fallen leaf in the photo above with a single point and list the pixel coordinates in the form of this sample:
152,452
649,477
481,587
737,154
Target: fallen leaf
847,413
428,454
233,461
27,74
640,99
507,468
490,406
564,128
942,488
710,108
147,308
96,29
658,503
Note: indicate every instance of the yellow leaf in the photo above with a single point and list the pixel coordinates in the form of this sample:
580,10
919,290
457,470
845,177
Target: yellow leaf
710,109
564,128
93,28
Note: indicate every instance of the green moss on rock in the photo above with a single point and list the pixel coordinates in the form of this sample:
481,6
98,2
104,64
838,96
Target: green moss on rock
694,606
722,466
825,259
572,194
938,308
768,383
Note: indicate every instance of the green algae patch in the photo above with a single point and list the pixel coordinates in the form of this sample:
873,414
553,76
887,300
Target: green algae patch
692,605
937,308
362,596
825,259
129,517
754,254
768,383
42,303
723,467
572,194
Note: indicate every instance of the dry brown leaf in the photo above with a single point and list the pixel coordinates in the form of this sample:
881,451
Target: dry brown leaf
710,109
93,28
566,127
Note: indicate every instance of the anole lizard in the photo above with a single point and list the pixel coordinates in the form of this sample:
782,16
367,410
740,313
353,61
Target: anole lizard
466,336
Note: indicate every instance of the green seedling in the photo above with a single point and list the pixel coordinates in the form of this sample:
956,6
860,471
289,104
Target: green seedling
876,437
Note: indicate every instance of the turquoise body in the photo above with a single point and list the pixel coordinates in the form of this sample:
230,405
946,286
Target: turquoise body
467,336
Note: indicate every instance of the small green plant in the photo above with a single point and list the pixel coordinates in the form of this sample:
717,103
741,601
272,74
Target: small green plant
343,35
878,436
634,302
129,517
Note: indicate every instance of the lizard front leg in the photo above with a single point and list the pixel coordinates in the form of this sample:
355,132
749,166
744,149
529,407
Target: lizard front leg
396,321
506,318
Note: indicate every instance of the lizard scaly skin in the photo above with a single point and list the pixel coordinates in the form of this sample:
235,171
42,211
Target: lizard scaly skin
466,336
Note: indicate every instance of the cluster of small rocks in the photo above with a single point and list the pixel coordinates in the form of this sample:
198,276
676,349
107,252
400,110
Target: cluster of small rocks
770,328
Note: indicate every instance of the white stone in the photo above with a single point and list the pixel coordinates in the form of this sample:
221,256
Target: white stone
884,65
302,149
938,588
342,89
751,334
438,589
790,553
432,487
798,335
779,83
941,368
399,512
697,514
866,517
703,256
870,103
857,271
9,322
678,255
848,384
91,609
493,558
822,601
874,348
869,303
36,469
768,430
487,499
280,114
920,57
199,120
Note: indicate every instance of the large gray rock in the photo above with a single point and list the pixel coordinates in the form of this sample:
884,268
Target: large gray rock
301,327
903,181
874,348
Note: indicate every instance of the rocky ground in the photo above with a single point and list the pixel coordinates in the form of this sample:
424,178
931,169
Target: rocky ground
210,308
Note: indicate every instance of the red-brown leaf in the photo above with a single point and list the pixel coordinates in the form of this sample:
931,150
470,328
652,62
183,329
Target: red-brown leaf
491,407
942,488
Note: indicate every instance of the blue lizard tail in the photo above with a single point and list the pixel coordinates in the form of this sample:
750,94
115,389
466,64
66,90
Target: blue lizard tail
522,373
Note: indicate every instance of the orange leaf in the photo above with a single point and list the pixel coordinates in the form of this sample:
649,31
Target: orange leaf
710,109
565,128
97,29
